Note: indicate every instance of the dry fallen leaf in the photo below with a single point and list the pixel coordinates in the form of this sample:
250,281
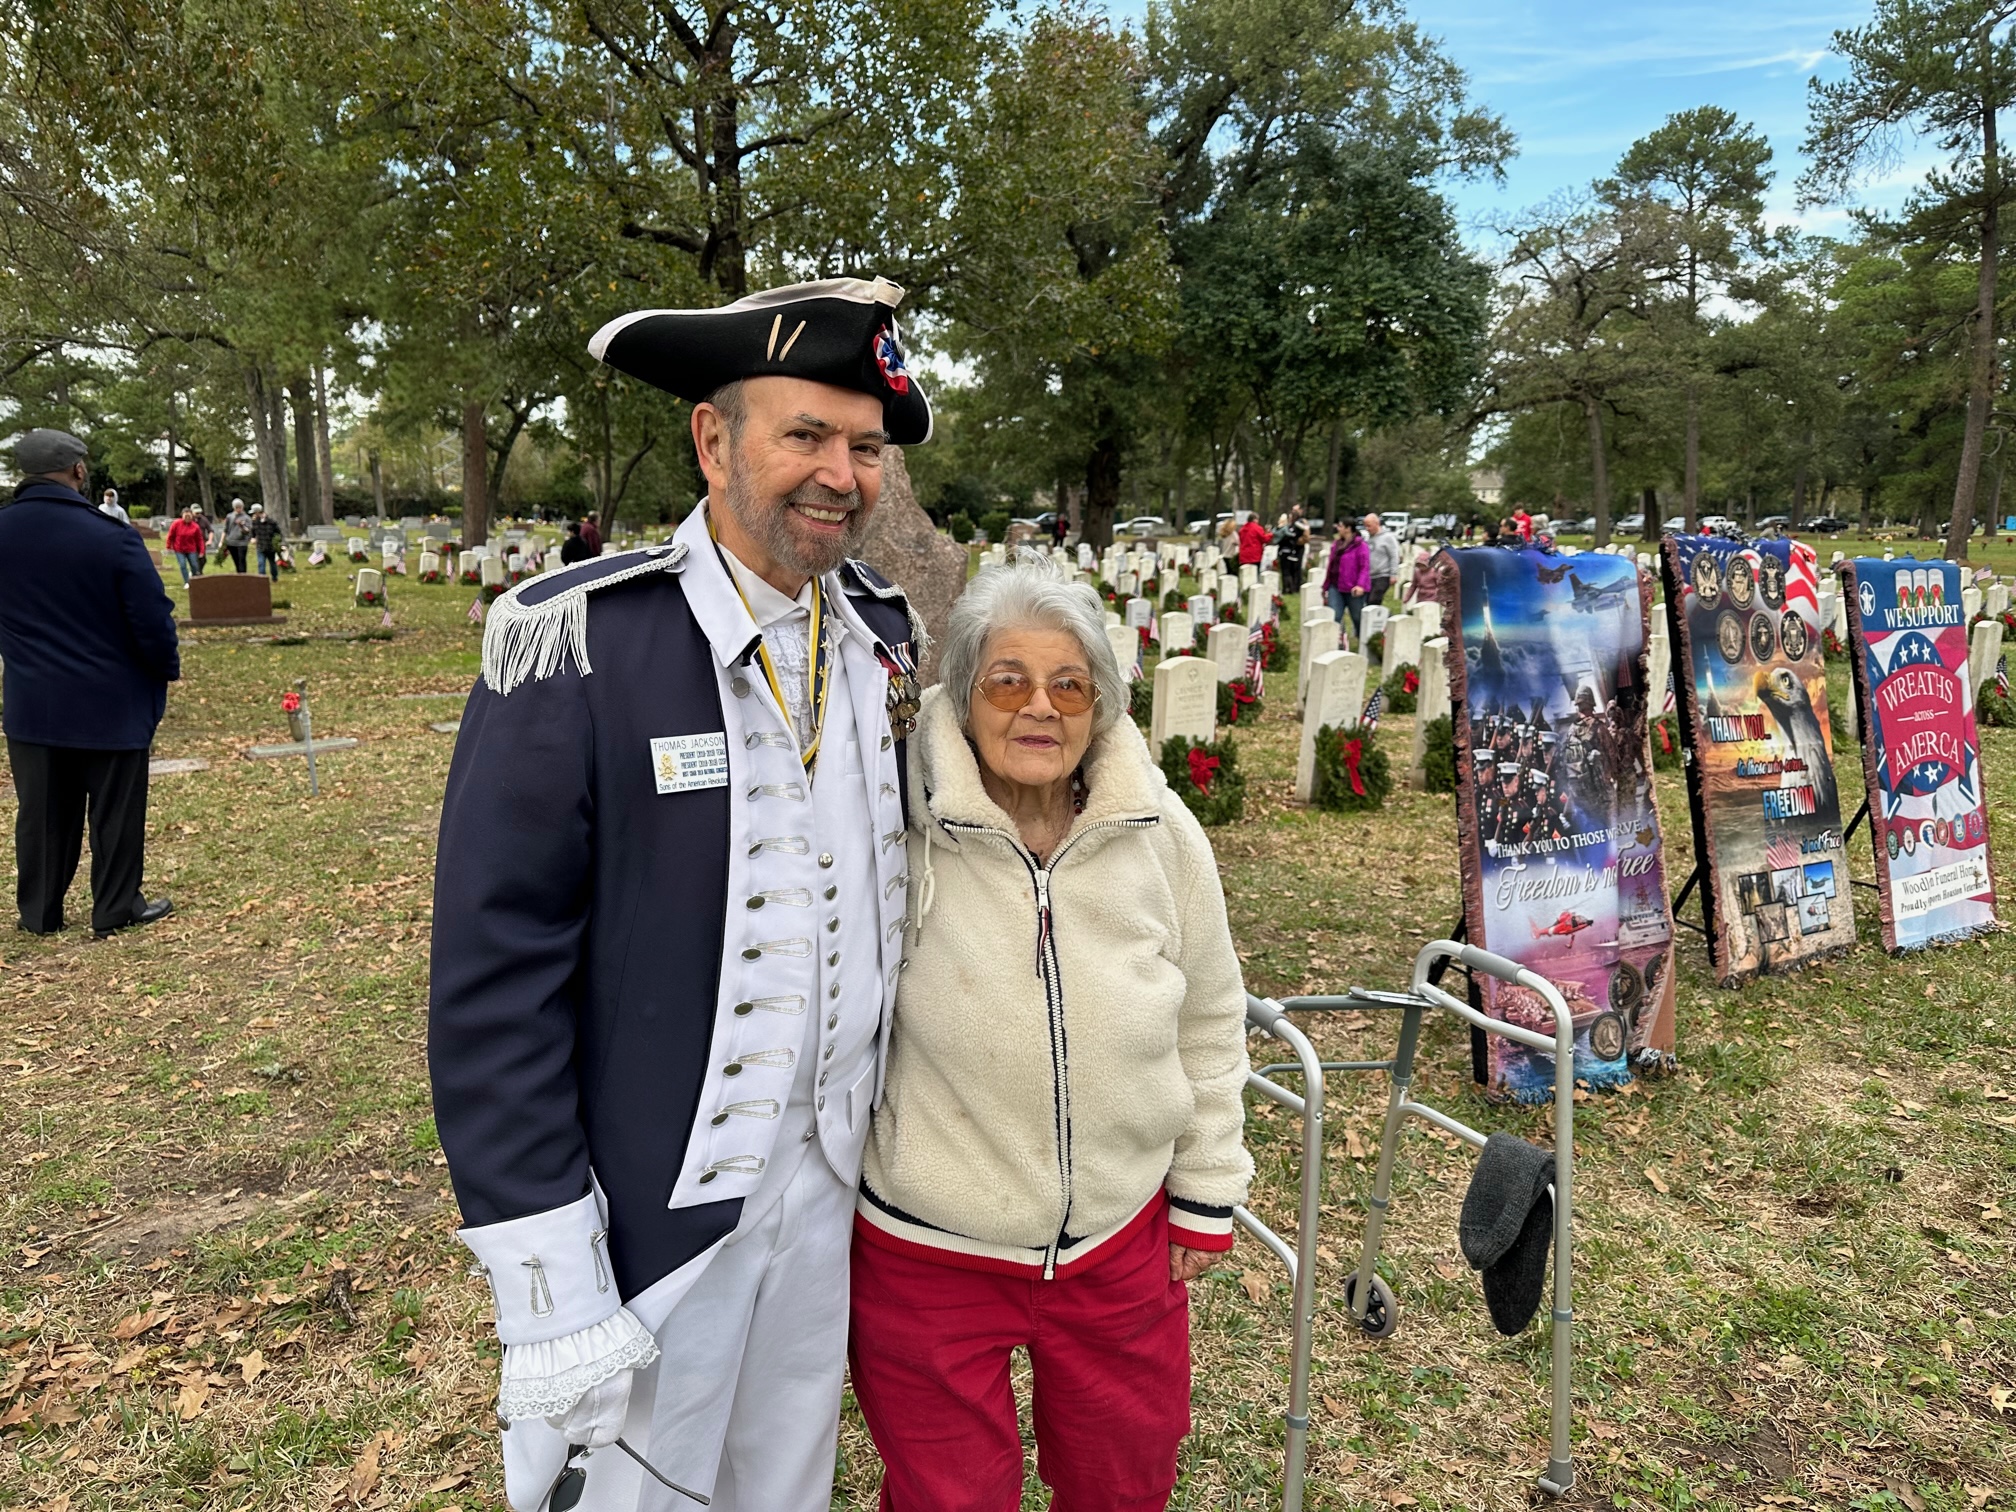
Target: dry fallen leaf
135,1324
190,1400
1255,1284
1658,1182
252,1366
364,1474
129,1359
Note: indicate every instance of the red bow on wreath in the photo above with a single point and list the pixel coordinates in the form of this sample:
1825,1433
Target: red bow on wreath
1665,736
1353,751
1203,767
1241,696
1411,681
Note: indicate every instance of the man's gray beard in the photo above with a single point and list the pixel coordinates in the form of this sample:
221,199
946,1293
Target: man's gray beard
768,526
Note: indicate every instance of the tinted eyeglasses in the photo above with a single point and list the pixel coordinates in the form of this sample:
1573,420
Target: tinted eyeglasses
1009,691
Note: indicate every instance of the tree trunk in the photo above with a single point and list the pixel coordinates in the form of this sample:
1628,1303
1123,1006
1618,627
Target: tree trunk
1691,483
1868,507
1994,506
1102,489
301,399
1981,382
1798,498
497,471
324,462
377,486
1599,470
1648,501
475,467
1330,479
168,497
204,491
267,443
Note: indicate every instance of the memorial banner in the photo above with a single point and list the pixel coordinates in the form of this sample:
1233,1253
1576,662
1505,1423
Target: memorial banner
1752,694
1921,752
1557,834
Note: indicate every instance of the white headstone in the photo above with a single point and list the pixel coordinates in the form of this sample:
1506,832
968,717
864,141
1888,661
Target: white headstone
370,580
1126,646
430,561
1203,609
1971,600
1259,604
1272,580
493,572
1336,698
1267,555
1087,560
1996,600
1985,650
1228,590
1432,701
1225,647
1248,574
1179,633
515,562
356,544
1140,614
466,562
1185,701
1429,612
1113,618
1403,645
1319,638
1658,667
1374,618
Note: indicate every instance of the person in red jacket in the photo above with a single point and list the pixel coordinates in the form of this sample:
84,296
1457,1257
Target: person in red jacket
186,538
1253,539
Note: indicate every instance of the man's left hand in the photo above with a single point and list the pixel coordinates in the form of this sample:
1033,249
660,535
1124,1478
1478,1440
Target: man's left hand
1186,1264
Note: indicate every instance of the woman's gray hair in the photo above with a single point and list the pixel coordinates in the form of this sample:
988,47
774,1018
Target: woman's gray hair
1028,592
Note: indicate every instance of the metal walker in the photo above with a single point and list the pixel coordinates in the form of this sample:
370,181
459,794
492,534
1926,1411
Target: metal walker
1366,1294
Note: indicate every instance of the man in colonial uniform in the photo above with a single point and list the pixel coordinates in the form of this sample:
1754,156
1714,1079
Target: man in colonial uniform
668,913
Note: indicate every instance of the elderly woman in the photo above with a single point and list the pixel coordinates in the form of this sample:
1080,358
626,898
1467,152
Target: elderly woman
1058,1150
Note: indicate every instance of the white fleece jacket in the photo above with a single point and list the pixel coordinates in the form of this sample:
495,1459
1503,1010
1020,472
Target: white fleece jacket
1048,1078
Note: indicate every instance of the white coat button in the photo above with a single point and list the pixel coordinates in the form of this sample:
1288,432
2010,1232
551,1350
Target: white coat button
740,688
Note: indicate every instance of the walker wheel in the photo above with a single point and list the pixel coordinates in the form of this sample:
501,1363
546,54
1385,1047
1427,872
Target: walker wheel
1382,1313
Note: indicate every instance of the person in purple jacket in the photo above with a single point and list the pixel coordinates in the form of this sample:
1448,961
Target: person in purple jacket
88,635
1350,575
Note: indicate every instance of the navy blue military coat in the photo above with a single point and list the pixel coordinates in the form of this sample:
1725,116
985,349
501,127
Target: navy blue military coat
86,629
579,922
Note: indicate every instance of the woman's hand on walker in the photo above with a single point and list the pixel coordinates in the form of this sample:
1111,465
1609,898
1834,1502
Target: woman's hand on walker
1186,1264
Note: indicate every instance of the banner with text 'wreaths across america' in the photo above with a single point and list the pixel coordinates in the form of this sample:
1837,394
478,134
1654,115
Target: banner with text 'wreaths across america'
1921,751
1752,690
1557,835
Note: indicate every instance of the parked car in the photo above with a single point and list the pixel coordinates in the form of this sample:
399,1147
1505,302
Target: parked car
1826,524
1675,525
1584,526
1773,522
1629,525
1719,524
1144,525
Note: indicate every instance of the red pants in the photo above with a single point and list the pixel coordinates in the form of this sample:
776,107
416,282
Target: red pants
1110,1351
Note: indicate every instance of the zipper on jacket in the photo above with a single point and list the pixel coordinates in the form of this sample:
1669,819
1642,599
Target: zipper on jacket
1053,999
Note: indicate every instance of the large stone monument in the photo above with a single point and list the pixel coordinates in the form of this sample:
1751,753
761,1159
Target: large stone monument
905,547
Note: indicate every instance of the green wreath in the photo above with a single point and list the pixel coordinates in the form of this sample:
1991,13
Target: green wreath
1237,701
1438,755
1665,735
1401,698
1994,707
1375,647
1206,775
1141,700
1336,790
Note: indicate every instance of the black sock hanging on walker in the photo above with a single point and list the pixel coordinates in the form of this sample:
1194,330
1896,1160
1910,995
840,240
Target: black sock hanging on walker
1507,1227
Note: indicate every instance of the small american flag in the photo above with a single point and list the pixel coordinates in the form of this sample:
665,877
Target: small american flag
386,620
2002,676
1369,720
1256,656
476,612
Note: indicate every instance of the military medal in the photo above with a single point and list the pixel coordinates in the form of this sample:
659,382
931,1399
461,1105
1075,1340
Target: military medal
905,696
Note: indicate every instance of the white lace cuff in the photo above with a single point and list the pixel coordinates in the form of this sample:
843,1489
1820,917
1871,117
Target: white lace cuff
545,1379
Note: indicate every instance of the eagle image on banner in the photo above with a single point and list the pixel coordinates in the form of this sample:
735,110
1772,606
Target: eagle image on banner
1752,691
1557,835
1921,751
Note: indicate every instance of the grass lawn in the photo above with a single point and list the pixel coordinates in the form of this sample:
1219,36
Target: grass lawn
230,1278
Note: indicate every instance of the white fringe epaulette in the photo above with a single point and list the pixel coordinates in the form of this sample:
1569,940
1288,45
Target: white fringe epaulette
524,642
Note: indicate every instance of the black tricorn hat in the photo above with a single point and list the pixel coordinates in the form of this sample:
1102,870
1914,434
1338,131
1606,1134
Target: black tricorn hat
840,331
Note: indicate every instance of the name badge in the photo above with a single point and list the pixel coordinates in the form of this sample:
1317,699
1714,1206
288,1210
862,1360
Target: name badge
682,763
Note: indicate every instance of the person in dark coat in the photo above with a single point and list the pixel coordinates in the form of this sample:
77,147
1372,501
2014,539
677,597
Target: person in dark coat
88,636
574,549
267,535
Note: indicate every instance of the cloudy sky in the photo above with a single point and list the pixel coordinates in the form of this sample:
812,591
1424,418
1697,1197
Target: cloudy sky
1578,82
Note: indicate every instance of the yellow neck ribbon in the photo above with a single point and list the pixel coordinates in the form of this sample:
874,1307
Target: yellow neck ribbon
820,659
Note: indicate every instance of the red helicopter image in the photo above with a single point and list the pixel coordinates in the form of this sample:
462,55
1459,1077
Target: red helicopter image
1567,926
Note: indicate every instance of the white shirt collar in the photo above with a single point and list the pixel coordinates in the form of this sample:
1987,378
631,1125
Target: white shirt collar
767,606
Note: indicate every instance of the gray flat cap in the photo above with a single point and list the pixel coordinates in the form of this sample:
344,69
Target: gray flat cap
47,451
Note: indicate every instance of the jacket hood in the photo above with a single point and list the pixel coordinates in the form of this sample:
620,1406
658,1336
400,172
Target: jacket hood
1121,781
